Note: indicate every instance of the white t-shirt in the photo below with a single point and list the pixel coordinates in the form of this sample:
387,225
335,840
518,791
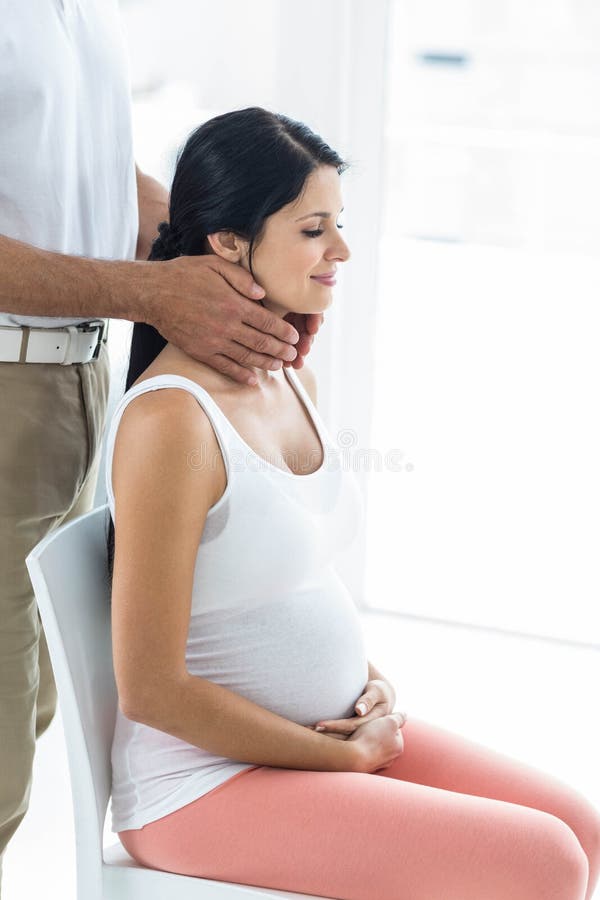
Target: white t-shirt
67,168
270,617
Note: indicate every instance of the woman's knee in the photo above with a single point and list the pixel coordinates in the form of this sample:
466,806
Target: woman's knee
530,854
563,865
584,821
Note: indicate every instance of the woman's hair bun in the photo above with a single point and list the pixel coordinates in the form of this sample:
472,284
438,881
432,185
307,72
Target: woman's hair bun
166,245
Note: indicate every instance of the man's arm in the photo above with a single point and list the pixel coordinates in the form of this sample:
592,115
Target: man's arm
36,282
197,303
204,305
153,206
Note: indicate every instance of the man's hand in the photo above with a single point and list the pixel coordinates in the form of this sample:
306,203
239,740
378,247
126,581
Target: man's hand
307,325
201,304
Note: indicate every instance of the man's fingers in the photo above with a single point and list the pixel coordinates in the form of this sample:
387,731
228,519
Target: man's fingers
303,347
304,344
267,322
245,357
259,345
295,363
228,367
238,277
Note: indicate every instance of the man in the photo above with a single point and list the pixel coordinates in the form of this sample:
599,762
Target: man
77,219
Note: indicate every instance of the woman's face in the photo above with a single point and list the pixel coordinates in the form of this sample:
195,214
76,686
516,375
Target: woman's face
300,241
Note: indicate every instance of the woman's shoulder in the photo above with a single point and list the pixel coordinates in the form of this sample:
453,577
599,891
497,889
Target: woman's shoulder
169,415
157,433
161,409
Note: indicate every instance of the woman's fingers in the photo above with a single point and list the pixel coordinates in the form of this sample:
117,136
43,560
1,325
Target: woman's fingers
350,725
342,736
342,726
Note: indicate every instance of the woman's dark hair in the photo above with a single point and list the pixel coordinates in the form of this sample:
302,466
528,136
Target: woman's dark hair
233,172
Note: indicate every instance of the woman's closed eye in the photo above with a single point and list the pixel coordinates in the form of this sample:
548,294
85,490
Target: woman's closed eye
318,231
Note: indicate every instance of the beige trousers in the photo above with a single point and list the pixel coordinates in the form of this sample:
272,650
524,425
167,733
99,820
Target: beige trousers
52,420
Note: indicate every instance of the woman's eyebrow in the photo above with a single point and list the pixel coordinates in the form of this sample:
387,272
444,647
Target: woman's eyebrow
325,215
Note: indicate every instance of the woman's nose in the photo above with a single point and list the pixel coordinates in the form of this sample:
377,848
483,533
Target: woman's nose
340,251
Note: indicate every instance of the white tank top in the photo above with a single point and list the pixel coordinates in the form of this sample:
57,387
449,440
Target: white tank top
270,617
67,169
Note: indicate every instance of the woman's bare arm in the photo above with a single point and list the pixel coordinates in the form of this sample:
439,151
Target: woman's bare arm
161,503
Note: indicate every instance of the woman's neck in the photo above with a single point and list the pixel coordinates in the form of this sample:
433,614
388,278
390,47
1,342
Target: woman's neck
171,355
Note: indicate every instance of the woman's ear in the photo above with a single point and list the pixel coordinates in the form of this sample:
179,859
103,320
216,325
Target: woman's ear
226,244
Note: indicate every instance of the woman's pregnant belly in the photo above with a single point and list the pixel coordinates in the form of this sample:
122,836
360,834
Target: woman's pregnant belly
301,656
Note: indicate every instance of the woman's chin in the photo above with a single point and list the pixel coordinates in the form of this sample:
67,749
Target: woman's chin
314,309
308,307
323,302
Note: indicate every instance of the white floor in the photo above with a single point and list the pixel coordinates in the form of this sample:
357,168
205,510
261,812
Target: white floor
537,701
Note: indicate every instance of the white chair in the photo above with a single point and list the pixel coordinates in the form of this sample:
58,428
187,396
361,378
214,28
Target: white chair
68,571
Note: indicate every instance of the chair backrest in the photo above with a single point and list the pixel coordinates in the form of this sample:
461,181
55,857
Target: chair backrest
68,571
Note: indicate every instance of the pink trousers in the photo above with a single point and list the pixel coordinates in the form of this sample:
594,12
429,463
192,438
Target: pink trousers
450,819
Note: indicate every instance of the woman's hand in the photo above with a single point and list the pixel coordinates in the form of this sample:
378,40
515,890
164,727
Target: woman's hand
378,743
378,699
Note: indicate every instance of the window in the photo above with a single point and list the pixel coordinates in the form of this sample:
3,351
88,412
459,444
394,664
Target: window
486,365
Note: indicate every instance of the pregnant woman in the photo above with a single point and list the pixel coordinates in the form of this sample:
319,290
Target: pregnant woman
233,636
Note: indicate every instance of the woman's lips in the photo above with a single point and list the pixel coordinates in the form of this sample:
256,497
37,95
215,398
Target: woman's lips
328,280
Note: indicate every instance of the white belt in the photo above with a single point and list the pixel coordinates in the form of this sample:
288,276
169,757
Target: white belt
66,345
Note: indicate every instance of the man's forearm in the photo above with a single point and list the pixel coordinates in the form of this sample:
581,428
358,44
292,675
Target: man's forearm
35,282
153,207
